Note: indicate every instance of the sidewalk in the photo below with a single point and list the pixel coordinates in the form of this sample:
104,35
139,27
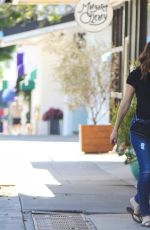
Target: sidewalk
56,176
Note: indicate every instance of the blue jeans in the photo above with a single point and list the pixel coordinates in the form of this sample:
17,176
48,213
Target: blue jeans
141,146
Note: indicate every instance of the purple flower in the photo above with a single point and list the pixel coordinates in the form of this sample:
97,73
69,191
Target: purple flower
52,113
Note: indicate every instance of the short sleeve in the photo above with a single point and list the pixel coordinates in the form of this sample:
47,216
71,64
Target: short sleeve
132,78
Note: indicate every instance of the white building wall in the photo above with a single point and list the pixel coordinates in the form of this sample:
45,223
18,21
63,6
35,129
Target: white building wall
10,71
47,93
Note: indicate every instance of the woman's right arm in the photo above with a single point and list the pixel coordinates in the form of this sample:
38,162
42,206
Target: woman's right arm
123,108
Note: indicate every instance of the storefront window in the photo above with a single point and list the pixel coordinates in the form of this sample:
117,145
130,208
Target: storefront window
117,27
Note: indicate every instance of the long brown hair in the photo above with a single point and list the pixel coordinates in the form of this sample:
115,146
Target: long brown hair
144,60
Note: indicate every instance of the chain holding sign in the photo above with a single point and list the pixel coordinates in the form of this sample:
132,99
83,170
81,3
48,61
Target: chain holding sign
93,15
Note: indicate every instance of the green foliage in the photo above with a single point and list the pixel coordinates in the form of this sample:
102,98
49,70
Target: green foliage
124,130
123,142
54,18
27,117
11,15
126,151
6,53
1,72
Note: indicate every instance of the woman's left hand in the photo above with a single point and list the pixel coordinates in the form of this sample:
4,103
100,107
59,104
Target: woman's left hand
113,137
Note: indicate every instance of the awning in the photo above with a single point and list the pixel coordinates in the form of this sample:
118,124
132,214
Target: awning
11,37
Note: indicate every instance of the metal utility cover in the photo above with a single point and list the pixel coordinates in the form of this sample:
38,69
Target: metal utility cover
61,221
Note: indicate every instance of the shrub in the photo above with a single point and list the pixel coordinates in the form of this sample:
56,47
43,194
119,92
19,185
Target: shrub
123,142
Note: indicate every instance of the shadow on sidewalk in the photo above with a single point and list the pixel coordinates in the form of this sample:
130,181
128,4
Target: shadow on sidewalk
80,186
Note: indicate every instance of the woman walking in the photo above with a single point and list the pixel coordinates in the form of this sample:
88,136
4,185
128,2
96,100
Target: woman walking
138,83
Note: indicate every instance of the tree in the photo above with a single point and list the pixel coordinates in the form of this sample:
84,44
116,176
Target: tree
83,75
6,52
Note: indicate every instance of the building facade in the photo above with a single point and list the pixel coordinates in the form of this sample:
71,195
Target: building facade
47,93
126,36
130,32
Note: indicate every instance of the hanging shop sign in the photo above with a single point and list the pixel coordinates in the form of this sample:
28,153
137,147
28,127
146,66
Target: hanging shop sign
93,15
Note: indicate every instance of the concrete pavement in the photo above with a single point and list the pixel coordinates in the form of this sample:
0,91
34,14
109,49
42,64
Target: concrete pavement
52,174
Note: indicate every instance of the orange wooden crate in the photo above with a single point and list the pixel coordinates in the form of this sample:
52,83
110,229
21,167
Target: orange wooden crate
95,138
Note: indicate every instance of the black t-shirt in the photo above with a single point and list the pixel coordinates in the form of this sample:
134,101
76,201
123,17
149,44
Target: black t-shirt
142,91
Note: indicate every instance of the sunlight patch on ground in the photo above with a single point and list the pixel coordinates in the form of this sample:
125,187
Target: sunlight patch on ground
8,191
21,163
34,190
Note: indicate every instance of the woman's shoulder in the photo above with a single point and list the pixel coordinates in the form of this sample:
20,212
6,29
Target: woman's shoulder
136,72
134,77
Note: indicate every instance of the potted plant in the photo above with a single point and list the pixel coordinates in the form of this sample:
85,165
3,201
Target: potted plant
124,147
84,76
53,115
